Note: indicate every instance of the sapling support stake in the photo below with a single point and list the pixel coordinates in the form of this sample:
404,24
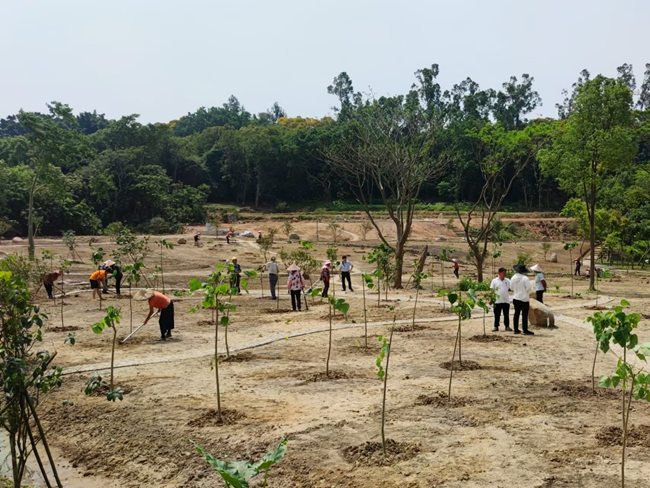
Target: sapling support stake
593,371
451,366
365,312
329,349
38,457
30,403
383,404
216,357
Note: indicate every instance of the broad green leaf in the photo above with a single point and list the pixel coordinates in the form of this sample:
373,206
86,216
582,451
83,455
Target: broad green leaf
273,457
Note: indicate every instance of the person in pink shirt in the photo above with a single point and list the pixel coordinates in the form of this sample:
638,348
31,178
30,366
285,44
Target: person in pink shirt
295,285
162,303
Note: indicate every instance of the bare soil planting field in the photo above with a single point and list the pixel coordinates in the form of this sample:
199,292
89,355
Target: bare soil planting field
525,416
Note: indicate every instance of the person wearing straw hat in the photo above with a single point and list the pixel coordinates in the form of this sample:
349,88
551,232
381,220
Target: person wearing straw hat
540,282
112,269
162,303
236,276
325,274
272,268
295,285
96,279
520,285
48,282
455,261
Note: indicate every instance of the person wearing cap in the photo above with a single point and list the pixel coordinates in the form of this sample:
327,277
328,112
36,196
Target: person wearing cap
162,303
456,267
540,282
236,275
325,274
346,268
520,285
295,285
48,282
96,279
272,268
501,286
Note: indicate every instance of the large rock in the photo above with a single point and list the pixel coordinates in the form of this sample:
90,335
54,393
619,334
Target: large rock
16,239
553,258
294,237
442,238
539,313
182,241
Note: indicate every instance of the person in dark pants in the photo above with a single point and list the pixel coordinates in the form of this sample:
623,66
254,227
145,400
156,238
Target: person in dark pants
295,285
346,268
325,275
578,265
456,267
520,285
501,286
162,303
236,276
272,268
48,282
113,270
540,283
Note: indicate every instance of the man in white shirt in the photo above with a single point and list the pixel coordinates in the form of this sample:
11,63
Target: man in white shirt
520,285
272,268
501,286
346,268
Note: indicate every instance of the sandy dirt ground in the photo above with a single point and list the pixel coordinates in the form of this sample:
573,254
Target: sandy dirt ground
525,417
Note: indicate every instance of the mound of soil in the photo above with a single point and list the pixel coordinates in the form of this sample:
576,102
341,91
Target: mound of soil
371,453
204,322
63,329
102,390
441,400
599,307
210,418
408,327
577,390
334,375
465,366
239,358
637,436
489,338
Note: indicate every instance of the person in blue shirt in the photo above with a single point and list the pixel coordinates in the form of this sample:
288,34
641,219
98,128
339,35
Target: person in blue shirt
346,268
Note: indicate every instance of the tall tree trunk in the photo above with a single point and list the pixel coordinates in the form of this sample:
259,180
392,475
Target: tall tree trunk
399,265
479,266
30,219
592,237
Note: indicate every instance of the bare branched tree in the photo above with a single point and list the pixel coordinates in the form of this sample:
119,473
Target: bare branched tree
501,156
388,148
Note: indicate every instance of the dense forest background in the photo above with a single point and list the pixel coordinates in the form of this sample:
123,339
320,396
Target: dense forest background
84,171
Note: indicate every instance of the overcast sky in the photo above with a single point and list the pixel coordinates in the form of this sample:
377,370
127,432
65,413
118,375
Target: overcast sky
164,58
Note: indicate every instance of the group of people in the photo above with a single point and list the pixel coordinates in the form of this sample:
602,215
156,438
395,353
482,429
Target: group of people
521,288
296,282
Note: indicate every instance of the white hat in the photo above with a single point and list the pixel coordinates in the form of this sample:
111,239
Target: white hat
142,295
454,260
109,263
293,267
536,268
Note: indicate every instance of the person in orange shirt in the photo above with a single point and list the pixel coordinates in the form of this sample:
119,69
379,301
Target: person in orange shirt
97,278
162,303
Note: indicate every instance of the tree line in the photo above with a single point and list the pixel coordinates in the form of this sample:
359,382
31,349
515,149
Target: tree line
463,145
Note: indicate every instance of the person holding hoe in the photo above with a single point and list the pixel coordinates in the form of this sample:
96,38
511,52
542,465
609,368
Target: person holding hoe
295,285
346,268
520,285
236,275
540,282
48,282
325,275
162,303
272,268
96,279
112,269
